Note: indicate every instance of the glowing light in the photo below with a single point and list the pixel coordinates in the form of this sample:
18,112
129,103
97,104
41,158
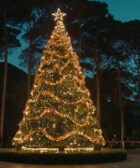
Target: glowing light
60,114
58,15
56,150
59,96
72,133
45,93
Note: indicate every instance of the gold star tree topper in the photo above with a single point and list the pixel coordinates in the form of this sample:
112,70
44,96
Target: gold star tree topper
58,15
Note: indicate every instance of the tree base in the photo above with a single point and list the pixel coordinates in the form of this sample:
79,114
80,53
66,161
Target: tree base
110,155
61,150
97,148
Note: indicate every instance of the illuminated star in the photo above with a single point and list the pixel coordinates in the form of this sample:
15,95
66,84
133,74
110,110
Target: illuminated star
58,15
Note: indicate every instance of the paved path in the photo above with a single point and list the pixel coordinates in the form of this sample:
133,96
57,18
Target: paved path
133,161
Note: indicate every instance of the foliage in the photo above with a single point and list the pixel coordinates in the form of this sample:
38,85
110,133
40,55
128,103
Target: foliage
15,100
104,156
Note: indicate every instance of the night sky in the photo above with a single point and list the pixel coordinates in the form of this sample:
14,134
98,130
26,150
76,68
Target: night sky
124,10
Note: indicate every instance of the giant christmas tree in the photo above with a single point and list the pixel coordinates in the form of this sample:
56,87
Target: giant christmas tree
59,112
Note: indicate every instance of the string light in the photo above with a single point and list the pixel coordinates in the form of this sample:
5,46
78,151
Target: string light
62,115
44,132
59,108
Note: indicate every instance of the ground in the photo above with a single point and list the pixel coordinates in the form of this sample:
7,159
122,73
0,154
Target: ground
133,161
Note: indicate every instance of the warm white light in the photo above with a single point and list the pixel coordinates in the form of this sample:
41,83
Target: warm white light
56,150
58,90
58,15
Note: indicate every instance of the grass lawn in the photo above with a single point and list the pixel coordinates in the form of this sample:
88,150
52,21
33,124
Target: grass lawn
103,156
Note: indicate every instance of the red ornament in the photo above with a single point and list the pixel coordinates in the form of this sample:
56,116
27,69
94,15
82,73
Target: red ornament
52,110
97,139
62,51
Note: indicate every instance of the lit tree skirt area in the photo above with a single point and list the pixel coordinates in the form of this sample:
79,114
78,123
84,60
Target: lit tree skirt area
58,150
54,157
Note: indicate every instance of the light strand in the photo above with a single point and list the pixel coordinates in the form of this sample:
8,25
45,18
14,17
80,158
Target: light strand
60,114
44,93
72,133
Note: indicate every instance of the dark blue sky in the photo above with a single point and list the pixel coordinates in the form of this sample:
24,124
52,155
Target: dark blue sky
124,10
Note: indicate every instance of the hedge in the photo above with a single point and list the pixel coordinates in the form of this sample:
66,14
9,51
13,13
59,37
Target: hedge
104,156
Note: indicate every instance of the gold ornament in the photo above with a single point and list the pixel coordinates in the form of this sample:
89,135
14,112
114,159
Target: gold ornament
54,126
76,110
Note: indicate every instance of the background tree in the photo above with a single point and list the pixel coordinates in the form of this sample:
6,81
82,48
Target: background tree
121,54
8,34
132,36
96,35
